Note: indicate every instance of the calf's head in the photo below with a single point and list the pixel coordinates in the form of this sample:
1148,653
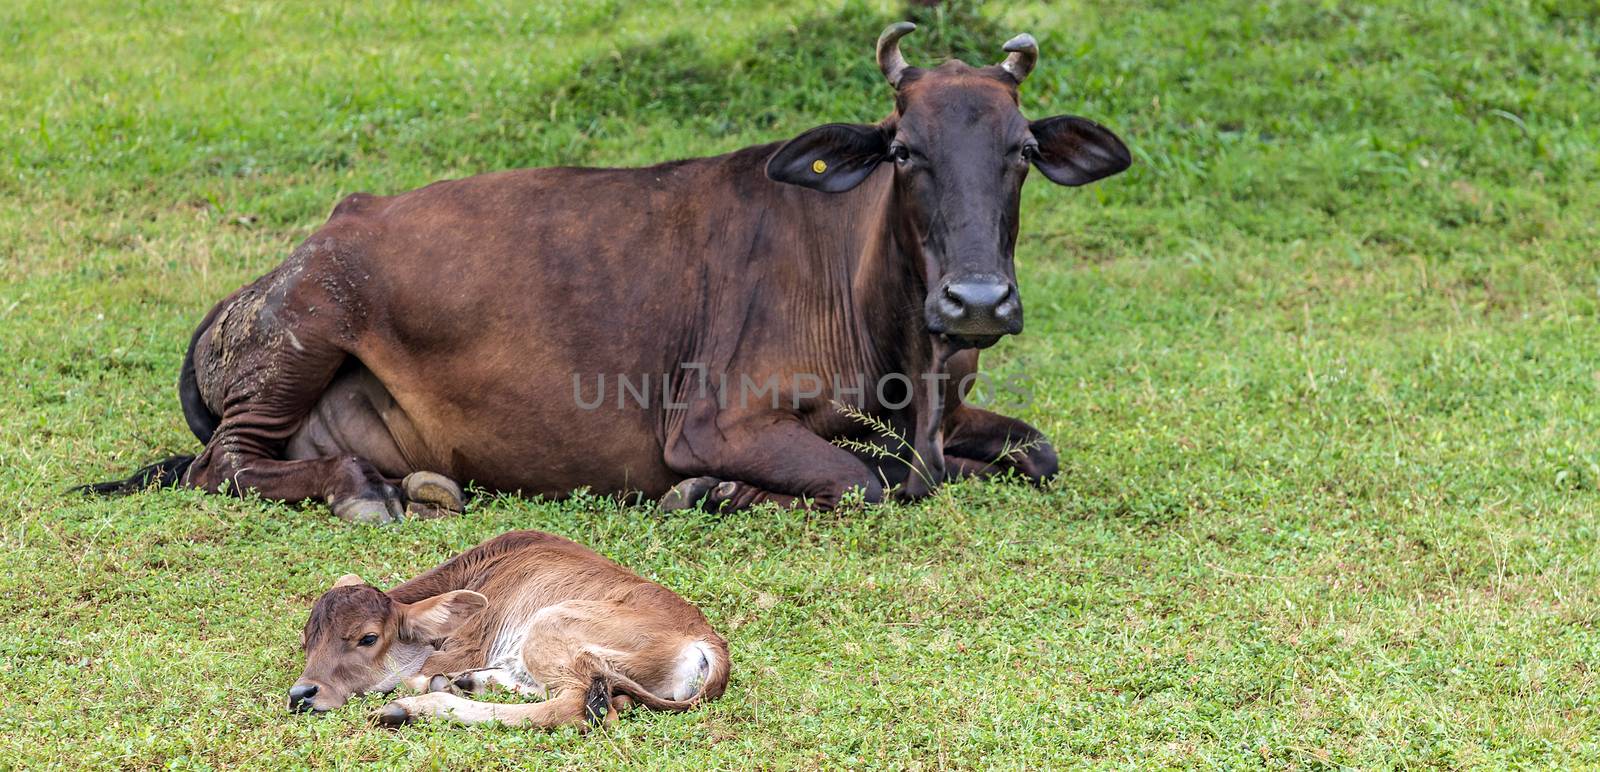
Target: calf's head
960,149
360,640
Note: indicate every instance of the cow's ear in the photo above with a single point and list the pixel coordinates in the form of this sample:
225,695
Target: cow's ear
434,619
1077,151
832,158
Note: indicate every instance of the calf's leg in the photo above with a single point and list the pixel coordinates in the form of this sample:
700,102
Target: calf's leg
571,707
482,679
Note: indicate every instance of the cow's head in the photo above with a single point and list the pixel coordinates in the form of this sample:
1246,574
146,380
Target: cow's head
961,150
360,640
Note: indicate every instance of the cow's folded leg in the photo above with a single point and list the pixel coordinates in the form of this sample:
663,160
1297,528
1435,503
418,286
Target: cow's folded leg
714,495
350,485
770,462
732,496
980,443
960,468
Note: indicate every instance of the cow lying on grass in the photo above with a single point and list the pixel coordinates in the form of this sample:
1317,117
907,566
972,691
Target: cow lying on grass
527,611
470,328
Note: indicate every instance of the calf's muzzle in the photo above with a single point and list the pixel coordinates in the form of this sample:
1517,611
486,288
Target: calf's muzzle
300,697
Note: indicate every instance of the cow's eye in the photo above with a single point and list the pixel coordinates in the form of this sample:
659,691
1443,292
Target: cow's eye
900,153
368,639
1030,153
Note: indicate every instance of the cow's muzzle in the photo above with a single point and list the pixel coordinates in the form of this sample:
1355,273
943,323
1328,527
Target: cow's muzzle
975,309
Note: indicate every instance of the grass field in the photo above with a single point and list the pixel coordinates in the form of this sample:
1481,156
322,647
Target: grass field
1322,369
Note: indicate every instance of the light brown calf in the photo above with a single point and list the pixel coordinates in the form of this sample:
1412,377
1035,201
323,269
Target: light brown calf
528,611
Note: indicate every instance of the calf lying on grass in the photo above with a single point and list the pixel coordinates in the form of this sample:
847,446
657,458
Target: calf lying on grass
527,611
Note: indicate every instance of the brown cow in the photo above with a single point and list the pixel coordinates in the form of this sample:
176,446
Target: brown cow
528,611
456,328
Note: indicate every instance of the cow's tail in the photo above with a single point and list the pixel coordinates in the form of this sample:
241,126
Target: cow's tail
199,417
167,472
162,474
712,656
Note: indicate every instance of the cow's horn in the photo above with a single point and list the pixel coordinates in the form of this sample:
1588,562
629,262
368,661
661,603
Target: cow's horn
1024,52
890,60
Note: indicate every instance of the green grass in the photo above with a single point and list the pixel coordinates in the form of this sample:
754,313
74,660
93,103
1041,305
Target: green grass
1322,369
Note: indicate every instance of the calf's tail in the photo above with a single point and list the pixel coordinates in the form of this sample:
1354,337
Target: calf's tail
169,471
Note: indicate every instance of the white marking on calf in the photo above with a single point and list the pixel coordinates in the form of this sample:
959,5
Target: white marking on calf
505,652
483,678
694,665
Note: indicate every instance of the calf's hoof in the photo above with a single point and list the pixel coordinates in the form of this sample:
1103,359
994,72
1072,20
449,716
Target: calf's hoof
597,701
393,714
430,494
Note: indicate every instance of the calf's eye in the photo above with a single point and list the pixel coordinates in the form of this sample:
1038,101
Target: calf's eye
368,639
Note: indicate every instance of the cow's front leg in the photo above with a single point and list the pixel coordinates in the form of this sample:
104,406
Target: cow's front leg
762,459
979,443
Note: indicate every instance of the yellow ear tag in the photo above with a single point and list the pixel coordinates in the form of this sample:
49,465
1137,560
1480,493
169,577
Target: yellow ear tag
819,166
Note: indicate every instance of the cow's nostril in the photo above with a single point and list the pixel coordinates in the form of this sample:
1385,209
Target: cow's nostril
976,296
1008,305
300,697
954,304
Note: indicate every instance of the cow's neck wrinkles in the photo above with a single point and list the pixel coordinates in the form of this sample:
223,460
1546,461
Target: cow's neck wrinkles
889,283
884,265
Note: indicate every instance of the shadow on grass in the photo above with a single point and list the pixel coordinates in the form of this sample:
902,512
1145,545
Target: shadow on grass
779,80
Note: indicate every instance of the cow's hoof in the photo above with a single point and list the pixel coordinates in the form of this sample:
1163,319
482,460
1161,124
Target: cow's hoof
688,494
417,511
393,715
1040,464
367,511
433,490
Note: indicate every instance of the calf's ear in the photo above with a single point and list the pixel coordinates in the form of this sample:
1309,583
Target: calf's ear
435,618
832,158
1077,151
